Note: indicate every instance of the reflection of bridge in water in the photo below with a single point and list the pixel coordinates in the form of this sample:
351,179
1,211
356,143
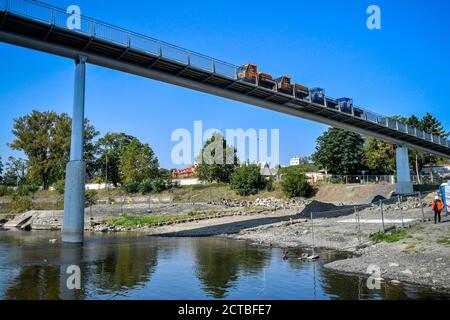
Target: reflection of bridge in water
38,26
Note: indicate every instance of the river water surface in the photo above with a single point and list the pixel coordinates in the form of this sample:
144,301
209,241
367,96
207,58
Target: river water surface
132,266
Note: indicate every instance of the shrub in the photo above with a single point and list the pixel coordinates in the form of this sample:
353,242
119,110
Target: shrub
5,191
90,196
295,184
156,185
20,204
247,180
335,180
26,190
131,187
270,185
60,186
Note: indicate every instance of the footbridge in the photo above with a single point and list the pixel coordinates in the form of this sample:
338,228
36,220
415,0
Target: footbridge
36,25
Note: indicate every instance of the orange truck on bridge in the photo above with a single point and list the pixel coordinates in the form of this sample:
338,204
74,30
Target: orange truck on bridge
250,73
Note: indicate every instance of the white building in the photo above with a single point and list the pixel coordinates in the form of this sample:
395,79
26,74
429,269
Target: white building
295,161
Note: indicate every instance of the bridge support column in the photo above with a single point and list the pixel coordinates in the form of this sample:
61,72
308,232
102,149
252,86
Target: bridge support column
73,224
404,184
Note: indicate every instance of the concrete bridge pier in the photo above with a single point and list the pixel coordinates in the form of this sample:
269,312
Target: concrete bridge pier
73,223
404,183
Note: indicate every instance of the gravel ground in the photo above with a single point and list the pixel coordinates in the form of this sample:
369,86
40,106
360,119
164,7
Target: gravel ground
421,257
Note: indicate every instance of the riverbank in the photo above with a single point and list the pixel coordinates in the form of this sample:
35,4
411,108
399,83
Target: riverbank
417,253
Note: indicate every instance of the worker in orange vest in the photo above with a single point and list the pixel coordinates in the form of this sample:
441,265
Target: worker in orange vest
437,207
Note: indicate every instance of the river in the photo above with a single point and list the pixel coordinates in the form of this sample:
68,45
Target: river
134,266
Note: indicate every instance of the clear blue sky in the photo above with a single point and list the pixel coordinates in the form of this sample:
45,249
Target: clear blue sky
401,69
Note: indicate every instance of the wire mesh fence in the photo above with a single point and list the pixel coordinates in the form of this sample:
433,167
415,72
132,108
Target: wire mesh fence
367,220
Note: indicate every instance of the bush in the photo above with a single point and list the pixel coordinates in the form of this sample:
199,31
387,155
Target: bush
131,187
295,184
26,190
5,191
335,180
247,180
60,186
270,185
20,204
156,185
90,197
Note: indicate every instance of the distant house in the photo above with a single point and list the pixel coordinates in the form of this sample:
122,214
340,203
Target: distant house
187,173
295,161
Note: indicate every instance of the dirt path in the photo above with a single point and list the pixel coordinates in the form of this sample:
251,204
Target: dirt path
222,226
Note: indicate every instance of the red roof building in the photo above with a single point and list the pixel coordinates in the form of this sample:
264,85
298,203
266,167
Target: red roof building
187,173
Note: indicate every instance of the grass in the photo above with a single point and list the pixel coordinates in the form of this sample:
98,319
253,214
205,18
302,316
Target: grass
390,237
445,241
129,221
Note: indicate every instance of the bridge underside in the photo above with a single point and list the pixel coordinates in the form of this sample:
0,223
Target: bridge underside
46,37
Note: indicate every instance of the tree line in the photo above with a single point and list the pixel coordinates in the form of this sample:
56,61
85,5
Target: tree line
44,138
345,153
122,160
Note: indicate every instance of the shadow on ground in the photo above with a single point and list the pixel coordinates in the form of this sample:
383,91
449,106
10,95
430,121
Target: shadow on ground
324,210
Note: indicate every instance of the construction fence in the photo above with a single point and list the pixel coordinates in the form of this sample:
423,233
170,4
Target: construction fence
363,221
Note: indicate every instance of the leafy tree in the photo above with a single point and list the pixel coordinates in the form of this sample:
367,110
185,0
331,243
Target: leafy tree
16,172
217,161
45,138
379,156
138,162
429,124
247,180
110,149
384,156
340,152
1,170
294,183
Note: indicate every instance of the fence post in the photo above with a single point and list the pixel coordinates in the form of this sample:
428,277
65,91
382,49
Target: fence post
382,215
401,211
121,205
421,206
312,233
359,223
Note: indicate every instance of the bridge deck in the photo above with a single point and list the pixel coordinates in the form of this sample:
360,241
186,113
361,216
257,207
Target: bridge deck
41,27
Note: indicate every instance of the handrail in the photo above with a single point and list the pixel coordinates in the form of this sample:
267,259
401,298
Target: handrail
129,39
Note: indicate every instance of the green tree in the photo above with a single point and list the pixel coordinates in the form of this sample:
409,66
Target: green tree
379,156
45,138
294,183
247,180
428,123
1,170
110,149
431,125
340,152
16,172
138,162
217,161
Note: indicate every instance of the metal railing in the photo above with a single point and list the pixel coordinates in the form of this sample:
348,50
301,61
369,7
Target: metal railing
58,18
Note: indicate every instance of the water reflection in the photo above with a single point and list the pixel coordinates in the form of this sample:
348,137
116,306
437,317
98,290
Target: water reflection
219,263
140,267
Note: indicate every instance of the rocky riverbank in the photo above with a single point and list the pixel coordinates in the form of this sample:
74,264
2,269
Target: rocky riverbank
410,252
